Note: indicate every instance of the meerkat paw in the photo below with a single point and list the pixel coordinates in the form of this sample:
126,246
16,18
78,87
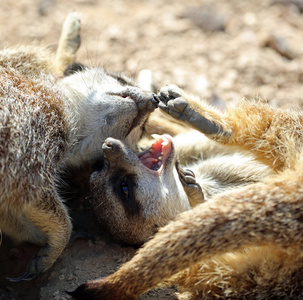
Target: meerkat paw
172,102
191,187
171,91
37,265
61,230
175,102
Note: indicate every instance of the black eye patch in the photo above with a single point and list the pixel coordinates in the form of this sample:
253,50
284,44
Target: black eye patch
124,187
98,166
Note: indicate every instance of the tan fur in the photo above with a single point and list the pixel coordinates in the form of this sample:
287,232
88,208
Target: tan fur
245,243
48,123
195,169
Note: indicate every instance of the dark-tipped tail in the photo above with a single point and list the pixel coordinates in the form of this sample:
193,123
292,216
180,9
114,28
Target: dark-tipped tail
98,290
84,292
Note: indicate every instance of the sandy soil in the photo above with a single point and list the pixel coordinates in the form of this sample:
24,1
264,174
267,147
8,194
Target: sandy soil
214,49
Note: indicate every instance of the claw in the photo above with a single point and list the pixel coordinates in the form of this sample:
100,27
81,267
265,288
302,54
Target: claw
155,100
25,277
163,95
187,176
189,179
174,92
187,172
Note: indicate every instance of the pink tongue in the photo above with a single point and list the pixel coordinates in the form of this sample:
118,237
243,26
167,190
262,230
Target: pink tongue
155,157
157,147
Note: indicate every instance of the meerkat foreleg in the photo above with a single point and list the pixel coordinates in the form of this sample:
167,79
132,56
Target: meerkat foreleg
274,136
180,106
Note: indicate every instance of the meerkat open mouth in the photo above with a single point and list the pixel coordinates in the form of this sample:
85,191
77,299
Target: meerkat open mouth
154,158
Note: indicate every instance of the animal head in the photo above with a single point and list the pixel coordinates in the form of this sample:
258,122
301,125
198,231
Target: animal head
134,194
103,105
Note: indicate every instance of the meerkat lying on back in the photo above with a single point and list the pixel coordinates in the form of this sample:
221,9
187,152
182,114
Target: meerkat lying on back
244,243
48,123
136,193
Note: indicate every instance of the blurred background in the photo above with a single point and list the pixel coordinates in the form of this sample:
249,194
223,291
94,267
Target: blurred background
213,49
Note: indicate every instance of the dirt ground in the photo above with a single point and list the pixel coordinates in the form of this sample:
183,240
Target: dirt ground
213,49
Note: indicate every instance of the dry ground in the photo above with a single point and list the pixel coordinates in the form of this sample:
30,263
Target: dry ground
213,49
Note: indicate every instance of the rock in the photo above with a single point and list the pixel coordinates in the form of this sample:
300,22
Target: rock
206,17
297,3
45,7
279,44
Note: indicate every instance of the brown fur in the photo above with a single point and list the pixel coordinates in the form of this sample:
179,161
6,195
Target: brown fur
49,123
33,139
241,244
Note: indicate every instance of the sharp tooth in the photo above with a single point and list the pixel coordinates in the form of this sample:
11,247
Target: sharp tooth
156,136
160,158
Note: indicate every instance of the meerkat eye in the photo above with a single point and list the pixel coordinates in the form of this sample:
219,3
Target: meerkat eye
122,79
124,189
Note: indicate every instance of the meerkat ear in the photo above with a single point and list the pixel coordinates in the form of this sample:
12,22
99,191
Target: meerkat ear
73,68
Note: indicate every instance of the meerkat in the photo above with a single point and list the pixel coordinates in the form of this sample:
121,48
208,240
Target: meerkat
133,194
245,243
49,122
